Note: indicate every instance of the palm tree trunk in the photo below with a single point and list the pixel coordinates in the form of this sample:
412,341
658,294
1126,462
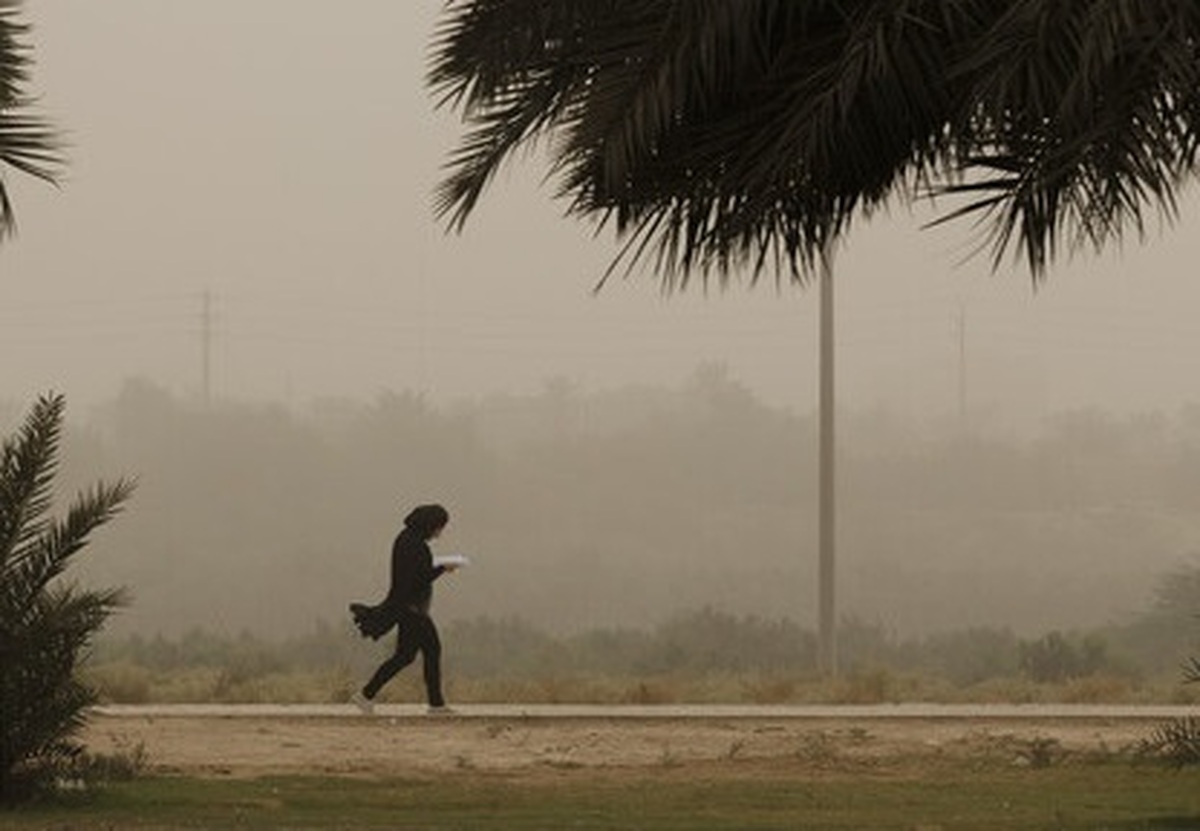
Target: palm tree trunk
827,514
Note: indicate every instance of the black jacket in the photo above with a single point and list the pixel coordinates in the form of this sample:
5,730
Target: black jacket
413,573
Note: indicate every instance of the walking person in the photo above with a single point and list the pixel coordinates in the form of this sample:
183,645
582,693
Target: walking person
407,607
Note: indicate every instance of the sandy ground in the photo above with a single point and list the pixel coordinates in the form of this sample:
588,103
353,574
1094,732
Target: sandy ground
411,743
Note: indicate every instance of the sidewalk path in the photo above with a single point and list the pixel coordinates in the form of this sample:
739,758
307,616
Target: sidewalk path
1022,712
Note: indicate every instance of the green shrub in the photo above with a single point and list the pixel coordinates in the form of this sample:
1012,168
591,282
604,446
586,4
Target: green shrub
1178,742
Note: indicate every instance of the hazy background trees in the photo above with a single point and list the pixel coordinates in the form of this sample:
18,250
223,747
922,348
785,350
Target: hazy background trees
629,506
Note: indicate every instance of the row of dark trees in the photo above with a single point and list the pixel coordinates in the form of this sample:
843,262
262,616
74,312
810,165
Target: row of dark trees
623,508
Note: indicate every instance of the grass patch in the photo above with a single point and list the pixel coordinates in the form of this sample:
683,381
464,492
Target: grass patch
726,795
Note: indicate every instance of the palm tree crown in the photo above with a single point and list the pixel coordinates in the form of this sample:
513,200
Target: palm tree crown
718,135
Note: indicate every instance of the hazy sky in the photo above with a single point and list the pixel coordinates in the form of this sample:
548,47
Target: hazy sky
280,155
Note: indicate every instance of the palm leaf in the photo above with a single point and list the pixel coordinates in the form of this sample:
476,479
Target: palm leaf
1176,743
34,566
1191,671
1096,104
27,143
28,463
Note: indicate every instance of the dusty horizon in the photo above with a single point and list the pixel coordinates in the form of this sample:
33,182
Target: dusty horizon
247,213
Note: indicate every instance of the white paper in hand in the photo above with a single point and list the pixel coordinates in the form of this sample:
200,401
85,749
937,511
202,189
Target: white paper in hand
456,560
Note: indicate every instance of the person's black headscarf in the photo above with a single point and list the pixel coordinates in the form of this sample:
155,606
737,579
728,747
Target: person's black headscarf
427,520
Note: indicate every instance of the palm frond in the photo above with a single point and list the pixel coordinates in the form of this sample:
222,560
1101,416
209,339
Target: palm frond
1096,105
28,464
31,145
506,63
28,144
14,57
1191,671
1176,743
35,565
711,136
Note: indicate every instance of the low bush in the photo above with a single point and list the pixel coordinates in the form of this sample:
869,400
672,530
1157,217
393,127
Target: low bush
704,656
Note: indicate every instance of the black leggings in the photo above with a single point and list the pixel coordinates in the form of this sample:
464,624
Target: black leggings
417,634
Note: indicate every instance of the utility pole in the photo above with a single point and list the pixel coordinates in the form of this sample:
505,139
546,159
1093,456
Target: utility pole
962,368
206,347
827,514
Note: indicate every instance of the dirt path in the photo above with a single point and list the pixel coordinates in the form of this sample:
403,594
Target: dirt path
414,744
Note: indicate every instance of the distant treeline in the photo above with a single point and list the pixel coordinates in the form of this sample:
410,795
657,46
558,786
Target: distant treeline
621,510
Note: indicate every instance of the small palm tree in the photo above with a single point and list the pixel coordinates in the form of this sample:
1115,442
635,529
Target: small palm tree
27,143
46,624
1177,743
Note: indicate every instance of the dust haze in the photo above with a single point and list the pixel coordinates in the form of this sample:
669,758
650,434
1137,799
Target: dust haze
242,291
625,508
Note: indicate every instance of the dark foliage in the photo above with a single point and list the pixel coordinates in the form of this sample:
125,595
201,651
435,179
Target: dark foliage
721,136
1177,743
46,624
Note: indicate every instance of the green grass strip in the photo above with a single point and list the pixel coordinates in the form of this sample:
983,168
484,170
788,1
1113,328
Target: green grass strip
1098,796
